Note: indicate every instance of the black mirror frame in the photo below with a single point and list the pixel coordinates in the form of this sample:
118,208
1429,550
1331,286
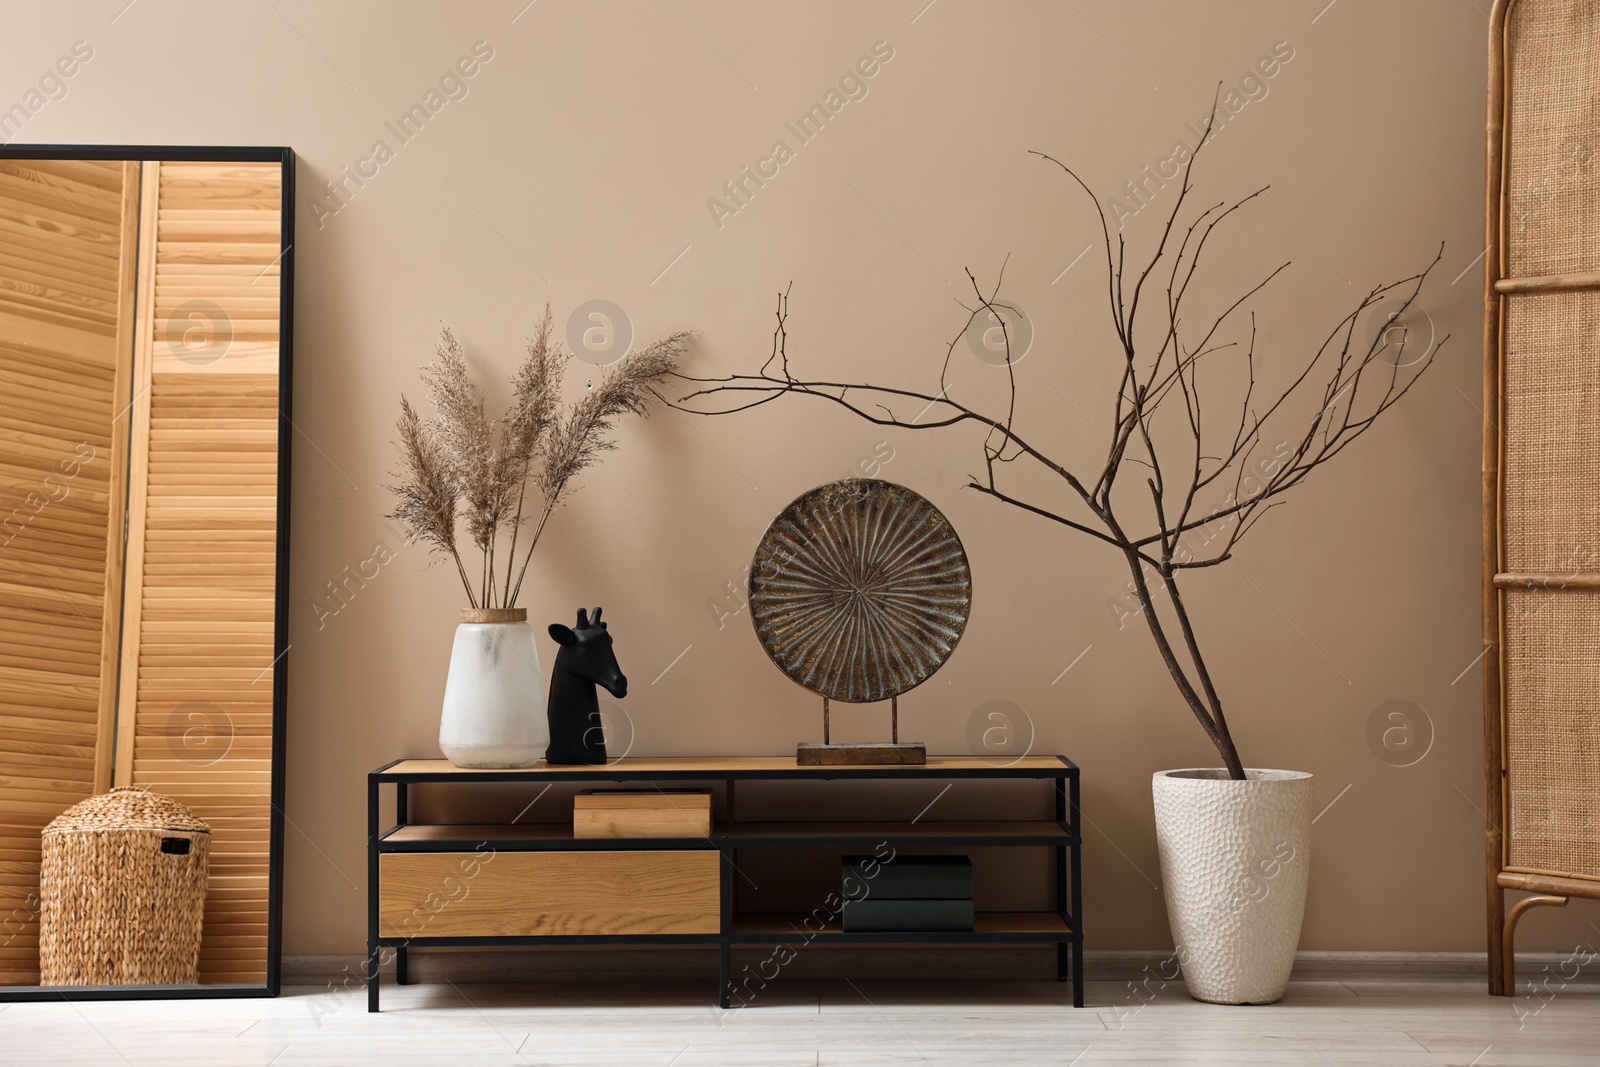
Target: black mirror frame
280,631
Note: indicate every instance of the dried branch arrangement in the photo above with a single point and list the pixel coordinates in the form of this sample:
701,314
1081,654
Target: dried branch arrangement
1200,484
461,472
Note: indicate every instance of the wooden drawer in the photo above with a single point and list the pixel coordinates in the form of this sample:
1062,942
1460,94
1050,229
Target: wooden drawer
505,894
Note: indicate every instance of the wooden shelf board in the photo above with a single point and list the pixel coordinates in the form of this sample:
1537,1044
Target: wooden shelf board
561,833
999,830
457,837
710,768
985,924
459,832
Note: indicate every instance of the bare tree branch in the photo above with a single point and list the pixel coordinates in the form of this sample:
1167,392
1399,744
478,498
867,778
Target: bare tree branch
1359,385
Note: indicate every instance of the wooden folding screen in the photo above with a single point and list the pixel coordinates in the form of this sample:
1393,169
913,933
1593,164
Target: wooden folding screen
203,527
66,251
139,518
1541,462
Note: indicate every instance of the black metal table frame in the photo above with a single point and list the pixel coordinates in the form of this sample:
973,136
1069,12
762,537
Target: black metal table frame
1068,856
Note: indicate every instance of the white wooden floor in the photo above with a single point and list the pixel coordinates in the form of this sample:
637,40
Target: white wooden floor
1366,1022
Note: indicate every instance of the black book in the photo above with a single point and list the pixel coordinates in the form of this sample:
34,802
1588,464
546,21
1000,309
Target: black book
875,915
908,878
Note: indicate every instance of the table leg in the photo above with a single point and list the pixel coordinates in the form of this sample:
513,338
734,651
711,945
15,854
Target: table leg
1075,901
1077,974
725,979
726,889
373,954
373,951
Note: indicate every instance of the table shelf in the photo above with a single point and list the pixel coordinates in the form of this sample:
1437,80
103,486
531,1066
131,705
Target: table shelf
973,833
989,928
426,837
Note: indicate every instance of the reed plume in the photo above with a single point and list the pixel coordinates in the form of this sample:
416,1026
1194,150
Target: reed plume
427,489
577,440
462,466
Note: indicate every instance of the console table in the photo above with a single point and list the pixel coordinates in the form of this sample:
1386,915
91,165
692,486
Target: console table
536,884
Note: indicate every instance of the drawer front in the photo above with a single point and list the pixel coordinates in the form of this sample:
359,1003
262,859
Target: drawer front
512,894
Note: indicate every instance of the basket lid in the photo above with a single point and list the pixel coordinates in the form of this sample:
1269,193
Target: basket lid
127,808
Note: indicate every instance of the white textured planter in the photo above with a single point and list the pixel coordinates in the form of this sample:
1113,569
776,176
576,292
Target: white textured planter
494,698
1234,861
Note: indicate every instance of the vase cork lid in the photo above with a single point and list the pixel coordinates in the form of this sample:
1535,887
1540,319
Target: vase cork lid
494,615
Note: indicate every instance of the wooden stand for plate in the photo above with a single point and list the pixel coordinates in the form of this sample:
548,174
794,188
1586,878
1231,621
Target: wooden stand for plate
862,753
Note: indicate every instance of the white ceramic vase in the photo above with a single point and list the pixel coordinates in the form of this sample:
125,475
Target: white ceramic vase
1234,861
494,697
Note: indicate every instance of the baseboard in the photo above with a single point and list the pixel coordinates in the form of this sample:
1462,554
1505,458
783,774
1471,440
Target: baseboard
1335,966
673,963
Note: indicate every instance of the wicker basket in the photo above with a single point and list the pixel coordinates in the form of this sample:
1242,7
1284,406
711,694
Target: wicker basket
122,887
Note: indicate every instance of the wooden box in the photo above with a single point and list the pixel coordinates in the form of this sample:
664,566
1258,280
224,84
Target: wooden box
637,813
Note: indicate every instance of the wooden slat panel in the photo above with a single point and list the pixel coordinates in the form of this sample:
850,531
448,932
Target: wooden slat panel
217,270
206,462
60,272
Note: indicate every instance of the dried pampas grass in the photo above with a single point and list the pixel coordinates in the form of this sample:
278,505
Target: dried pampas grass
460,465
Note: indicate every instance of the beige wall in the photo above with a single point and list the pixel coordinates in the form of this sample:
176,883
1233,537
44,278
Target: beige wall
578,166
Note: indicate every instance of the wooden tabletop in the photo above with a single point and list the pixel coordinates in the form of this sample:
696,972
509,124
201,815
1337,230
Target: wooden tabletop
742,766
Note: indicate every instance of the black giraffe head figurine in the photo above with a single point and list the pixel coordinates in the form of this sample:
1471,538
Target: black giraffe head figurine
585,660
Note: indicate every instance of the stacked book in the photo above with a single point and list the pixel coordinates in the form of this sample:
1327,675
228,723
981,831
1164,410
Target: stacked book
907,894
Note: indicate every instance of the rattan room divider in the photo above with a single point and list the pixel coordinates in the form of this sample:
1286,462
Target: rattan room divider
1541,464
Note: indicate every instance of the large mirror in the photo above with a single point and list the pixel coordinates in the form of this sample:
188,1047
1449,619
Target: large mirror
145,311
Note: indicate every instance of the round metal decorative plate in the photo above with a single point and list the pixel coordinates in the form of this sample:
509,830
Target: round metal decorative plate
860,590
